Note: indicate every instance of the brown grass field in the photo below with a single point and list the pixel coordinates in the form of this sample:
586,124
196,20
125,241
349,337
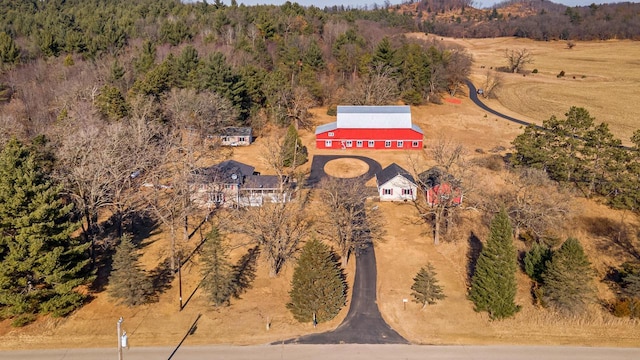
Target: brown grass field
609,90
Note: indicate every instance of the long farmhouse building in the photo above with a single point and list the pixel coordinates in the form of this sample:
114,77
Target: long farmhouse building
370,127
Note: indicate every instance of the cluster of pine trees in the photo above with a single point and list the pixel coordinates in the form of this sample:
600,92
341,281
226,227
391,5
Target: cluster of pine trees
576,151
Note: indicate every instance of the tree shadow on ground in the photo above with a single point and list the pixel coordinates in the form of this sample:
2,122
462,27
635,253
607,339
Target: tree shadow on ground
614,237
244,272
161,278
473,253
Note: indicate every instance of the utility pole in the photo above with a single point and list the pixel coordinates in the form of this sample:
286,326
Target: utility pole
120,337
180,280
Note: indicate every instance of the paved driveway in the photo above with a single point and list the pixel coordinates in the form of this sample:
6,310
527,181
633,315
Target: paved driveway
319,161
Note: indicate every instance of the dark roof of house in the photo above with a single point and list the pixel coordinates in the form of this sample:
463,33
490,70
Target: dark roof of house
235,131
227,172
266,182
392,171
435,176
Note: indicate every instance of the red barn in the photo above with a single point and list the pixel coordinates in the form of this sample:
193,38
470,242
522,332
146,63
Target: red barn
370,127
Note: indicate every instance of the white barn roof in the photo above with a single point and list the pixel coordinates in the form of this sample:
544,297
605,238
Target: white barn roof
374,117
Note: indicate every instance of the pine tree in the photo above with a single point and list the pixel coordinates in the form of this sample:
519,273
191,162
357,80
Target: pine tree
426,290
293,149
318,287
41,264
568,285
9,52
493,286
128,281
535,261
216,269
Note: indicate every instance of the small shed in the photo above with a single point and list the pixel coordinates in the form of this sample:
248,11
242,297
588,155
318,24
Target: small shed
440,187
395,184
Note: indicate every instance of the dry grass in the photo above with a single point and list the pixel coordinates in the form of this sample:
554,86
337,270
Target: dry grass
612,89
601,76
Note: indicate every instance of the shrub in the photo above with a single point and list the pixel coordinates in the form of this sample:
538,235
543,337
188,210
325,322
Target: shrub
535,71
561,74
23,320
626,307
332,110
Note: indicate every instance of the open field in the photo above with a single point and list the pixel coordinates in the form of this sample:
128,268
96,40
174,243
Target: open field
408,244
600,76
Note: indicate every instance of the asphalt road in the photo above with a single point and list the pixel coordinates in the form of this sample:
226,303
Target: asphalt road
337,352
473,95
363,324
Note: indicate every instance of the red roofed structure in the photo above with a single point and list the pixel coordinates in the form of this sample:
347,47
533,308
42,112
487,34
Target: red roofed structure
370,127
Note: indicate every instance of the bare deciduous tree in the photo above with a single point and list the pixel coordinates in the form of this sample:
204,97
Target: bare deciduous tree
447,182
492,81
517,59
458,67
378,88
277,228
347,220
534,203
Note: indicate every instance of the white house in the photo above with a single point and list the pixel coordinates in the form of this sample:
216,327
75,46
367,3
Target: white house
396,184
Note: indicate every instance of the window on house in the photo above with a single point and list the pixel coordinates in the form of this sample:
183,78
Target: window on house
359,143
228,186
387,143
387,191
242,138
330,134
371,143
349,143
415,144
216,197
327,143
400,143
407,191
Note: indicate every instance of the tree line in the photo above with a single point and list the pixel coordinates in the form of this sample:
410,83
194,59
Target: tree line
534,20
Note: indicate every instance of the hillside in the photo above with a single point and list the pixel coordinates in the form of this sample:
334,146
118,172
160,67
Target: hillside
538,20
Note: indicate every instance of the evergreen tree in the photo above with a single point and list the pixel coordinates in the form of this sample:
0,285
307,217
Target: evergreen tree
426,290
568,283
535,261
41,264
117,72
493,286
111,103
128,281
385,57
318,287
147,58
216,269
294,150
9,52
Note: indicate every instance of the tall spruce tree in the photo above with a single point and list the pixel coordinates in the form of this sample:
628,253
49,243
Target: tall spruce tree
568,279
216,269
128,281
318,287
426,290
493,286
41,264
294,152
